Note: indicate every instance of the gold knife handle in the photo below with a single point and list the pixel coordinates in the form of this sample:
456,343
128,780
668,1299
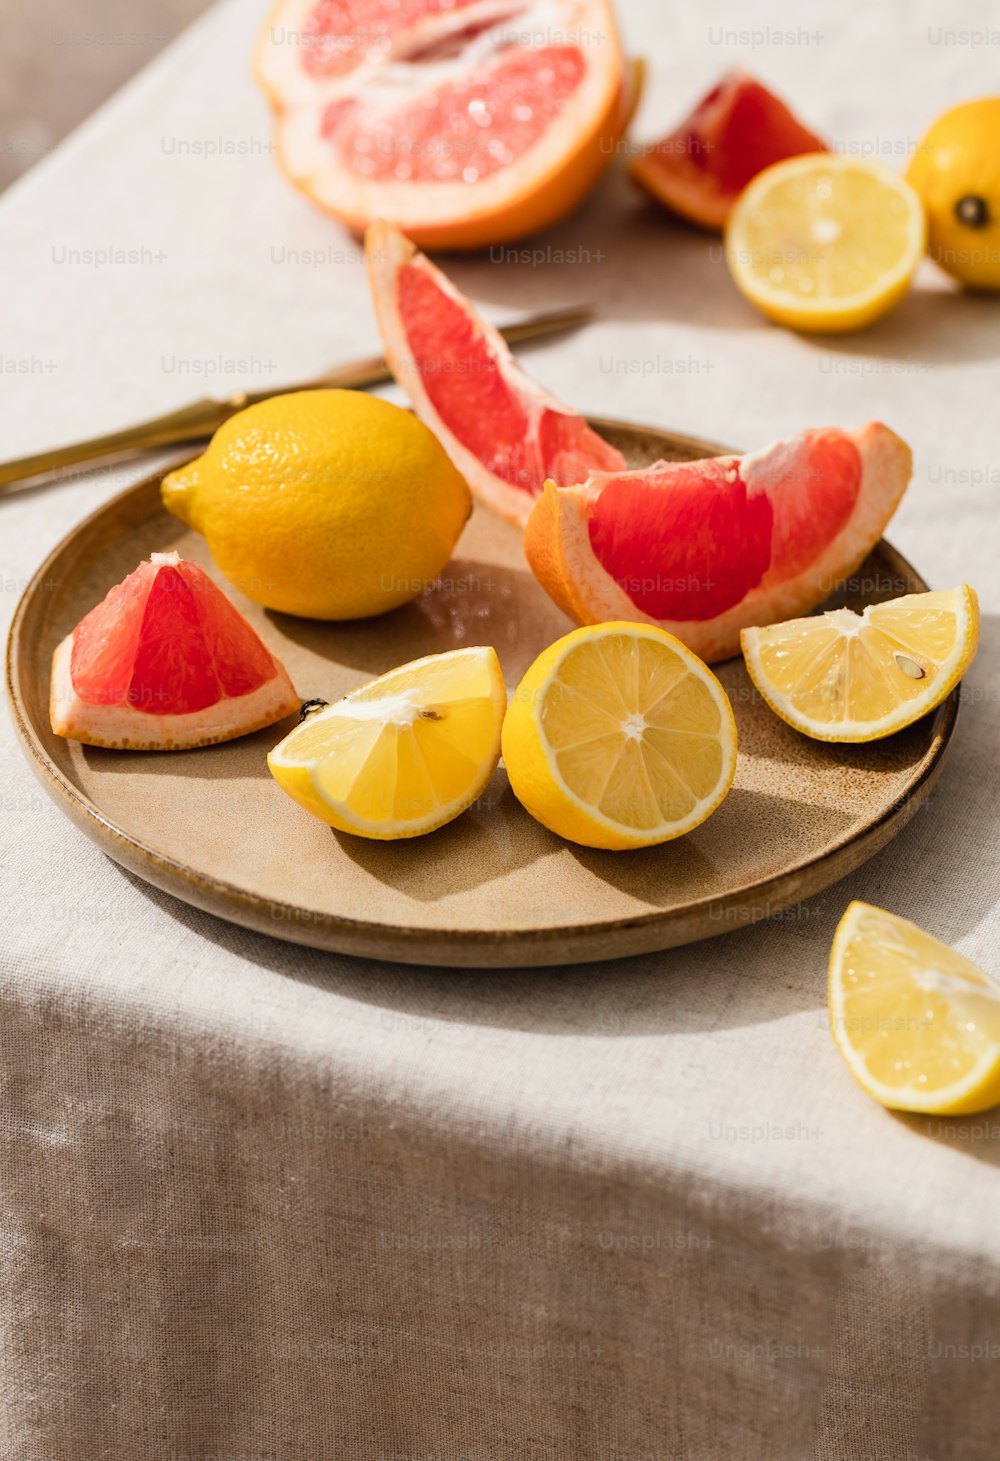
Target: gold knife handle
198,419
201,418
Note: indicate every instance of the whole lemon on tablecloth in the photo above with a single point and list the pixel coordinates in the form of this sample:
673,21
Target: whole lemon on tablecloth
956,171
324,504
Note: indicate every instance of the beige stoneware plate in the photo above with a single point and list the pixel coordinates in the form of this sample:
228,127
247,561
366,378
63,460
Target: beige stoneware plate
493,888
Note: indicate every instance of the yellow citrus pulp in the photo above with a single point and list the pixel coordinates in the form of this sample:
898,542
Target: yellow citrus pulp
825,242
403,754
843,676
917,1024
618,736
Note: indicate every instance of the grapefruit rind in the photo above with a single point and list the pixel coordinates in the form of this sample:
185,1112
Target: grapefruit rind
126,728
388,252
535,190
948,675
558,548
534,774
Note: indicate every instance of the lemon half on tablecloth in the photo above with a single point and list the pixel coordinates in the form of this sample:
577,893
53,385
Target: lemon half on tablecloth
825,242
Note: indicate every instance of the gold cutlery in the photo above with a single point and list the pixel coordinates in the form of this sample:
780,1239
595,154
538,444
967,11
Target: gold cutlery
201,418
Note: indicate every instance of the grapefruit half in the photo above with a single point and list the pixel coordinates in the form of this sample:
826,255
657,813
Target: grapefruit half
467,122
705,549
165,662
734,132
504,433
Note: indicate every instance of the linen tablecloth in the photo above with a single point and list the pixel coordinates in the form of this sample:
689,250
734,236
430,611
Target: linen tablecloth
264,1203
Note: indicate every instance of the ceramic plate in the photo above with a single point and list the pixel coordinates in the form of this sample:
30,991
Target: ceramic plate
493,888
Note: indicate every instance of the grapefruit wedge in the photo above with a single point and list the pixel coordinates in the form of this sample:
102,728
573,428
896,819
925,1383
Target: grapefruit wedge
163,663
505,434
705,549
734,132
467,122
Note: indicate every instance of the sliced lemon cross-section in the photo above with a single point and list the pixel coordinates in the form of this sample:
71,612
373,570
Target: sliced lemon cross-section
403,754
825,242
843,676
618,736
918,1024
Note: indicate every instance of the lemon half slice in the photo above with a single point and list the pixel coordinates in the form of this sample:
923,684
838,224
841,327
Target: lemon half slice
618,736
403,754
843,676
918,1024
825,242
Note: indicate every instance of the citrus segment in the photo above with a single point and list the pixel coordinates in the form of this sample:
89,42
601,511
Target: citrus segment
734,132
619,737
404,754
917,1024
165,661
467,124
504,433
825,242
843,676
705,548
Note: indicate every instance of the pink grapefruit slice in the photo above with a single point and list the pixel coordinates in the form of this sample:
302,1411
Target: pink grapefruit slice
466,122
504,433
705,549
165,662
734,132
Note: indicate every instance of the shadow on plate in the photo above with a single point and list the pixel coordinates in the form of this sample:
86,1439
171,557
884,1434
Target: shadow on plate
473,603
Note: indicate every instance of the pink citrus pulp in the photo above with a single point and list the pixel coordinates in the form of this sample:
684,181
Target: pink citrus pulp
704,549
165,662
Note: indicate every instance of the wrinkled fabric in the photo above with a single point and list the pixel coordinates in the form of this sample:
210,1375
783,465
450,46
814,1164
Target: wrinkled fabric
265,1204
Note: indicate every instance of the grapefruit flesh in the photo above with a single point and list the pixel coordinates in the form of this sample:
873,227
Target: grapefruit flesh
734,132
467,124
705,549
504,433
339,36
165,662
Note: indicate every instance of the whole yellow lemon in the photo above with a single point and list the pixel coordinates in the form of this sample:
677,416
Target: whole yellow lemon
325,504
956,171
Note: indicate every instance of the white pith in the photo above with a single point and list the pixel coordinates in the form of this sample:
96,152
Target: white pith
127,728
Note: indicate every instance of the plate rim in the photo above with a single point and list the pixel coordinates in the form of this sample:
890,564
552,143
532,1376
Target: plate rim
458,947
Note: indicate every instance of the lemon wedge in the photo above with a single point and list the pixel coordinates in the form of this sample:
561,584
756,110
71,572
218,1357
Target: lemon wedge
618,736
403,754
825,242
843,676
918,1024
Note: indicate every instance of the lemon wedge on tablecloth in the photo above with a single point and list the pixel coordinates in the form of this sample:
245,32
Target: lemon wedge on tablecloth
843,676
403,754
618,736
825,242
918,1024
